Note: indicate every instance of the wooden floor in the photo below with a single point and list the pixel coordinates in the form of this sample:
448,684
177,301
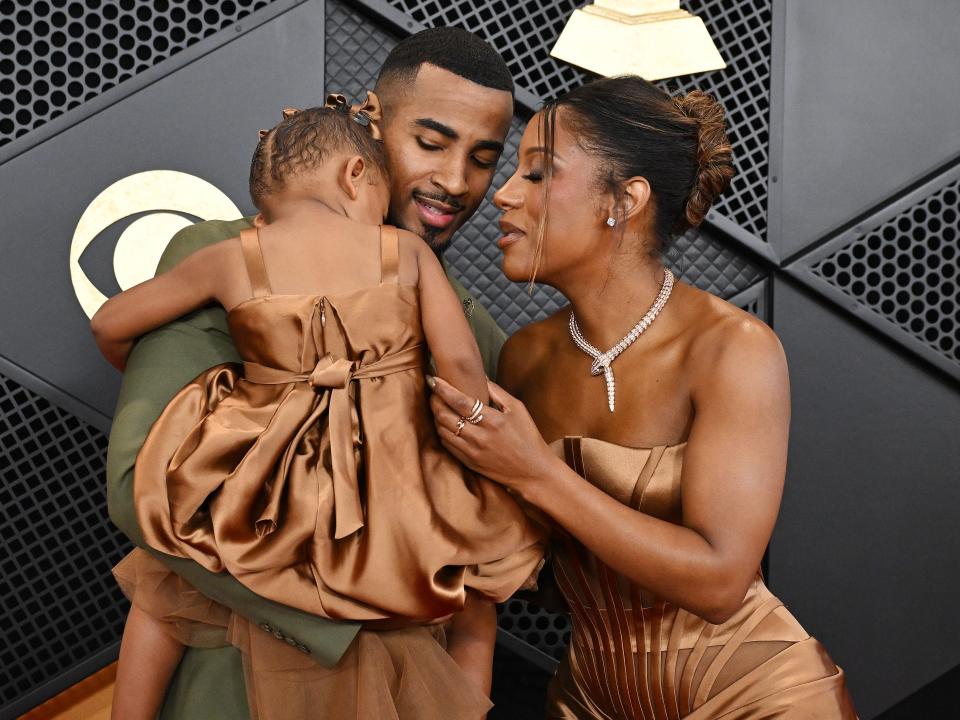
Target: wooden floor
89,699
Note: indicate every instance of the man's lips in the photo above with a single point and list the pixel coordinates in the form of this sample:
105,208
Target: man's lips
434,213
511,234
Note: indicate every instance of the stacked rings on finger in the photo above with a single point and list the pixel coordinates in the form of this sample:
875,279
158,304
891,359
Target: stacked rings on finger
460,423
476,414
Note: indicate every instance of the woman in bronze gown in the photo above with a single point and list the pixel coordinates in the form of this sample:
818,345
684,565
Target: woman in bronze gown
660,461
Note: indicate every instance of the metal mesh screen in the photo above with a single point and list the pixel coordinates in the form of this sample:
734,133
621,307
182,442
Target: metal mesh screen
905,270
355,50
60,604
55,54
525,31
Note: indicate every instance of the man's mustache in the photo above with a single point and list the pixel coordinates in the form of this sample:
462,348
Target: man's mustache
440,198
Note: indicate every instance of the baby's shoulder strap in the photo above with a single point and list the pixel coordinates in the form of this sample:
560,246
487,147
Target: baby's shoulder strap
253,259
389,255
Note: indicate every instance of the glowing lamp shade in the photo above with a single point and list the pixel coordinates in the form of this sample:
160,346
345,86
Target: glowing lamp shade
654,39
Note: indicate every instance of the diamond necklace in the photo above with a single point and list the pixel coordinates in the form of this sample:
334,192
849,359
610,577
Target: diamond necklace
603,361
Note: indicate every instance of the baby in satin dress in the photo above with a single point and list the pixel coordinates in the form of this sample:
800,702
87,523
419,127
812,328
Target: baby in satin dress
312,473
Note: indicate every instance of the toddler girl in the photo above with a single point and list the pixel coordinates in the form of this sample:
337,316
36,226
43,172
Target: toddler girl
312,473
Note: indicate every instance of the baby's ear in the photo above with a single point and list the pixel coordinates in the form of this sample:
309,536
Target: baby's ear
351,175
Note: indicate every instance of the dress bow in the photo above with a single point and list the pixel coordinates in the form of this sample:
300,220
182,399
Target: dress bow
333,382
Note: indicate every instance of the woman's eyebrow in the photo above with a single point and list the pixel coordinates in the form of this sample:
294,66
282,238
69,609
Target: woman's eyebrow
544,150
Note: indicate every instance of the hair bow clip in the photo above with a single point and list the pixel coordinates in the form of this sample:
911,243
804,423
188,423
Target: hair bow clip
371,112
336,101
262,133
289,112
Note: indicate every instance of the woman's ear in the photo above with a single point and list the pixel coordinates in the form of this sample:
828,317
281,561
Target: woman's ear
635,197
351,174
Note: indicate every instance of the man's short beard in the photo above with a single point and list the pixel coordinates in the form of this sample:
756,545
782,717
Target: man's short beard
430,238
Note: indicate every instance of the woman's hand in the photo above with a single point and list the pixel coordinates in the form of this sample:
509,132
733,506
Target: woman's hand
505,446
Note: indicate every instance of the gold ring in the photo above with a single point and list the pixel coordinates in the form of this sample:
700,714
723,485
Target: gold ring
476,412
475,420
460,423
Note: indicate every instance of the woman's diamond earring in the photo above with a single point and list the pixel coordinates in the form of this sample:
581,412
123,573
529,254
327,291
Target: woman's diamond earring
611,221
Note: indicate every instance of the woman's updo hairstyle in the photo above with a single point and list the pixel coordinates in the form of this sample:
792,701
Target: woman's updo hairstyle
304,140
679,144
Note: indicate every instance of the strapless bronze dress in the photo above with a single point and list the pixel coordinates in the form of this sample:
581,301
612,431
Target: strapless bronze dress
634,655
313,474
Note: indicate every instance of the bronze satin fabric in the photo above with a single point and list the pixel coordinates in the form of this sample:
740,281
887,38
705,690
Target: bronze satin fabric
315,476
403,674
633,655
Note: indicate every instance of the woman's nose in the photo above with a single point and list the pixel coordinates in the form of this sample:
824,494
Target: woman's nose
505,197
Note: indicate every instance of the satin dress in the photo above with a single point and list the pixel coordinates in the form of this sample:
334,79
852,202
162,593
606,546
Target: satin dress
633,655
313,474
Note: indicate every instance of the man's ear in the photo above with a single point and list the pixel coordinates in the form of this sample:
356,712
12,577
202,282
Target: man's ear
634,198
259,220
351,174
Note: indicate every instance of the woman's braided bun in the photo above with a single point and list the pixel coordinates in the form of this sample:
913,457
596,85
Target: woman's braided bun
714,155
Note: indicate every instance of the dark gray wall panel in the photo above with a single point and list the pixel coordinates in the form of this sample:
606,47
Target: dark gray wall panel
866,542
870,106
198,120
54,56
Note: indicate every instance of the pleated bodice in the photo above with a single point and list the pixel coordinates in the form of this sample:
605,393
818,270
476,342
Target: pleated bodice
634,655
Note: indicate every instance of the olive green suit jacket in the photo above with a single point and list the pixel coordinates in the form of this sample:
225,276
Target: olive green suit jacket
209,683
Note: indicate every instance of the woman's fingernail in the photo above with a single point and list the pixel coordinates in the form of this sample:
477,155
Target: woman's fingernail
431,381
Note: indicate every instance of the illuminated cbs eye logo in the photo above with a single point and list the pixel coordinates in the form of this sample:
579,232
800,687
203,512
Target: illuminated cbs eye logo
140,246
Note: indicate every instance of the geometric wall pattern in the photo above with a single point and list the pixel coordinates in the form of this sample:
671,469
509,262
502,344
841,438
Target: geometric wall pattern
355,50
905,270
58,601
54,55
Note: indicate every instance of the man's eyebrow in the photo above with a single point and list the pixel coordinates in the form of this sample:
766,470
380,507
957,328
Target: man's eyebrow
430,124
451,134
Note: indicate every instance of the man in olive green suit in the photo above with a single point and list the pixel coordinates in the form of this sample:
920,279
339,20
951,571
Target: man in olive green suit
447,102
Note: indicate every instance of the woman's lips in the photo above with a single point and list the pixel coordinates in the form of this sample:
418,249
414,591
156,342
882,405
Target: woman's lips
511,234
434,214
509,239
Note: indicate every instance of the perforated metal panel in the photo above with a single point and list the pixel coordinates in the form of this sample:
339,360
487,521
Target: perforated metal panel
55,55
355,50
524,32
899,270
60,605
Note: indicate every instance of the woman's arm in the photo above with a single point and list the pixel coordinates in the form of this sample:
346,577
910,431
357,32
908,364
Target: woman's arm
732,478
449,337
187,286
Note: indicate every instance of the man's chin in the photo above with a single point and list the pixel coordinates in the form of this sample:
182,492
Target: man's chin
438,239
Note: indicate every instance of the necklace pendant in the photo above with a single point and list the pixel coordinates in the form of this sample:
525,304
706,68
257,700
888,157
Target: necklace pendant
611,387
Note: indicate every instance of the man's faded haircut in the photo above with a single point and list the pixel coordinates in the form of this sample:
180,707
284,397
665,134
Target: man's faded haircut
452,49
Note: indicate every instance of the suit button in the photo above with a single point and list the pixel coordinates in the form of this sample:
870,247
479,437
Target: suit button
303,648
266,628
291,641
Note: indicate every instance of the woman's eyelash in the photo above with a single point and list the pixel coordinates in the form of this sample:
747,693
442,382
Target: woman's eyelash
533,176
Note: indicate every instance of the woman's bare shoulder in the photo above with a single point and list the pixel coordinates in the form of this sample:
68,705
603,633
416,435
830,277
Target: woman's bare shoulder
724,339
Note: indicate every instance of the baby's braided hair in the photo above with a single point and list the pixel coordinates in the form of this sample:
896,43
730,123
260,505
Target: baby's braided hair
304,140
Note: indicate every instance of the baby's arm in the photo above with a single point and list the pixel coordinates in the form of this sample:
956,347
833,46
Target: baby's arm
155,302
451,342
473,633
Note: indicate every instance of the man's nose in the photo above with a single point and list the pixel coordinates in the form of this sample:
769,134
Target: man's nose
451,177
